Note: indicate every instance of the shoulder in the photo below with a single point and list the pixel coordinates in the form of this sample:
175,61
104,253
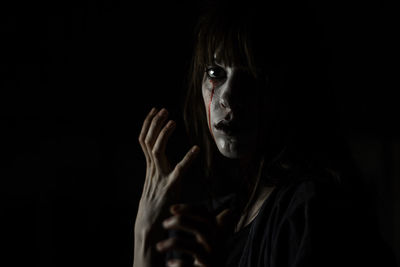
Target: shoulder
305,210
308,221
290,207
332,221
320,204
298,194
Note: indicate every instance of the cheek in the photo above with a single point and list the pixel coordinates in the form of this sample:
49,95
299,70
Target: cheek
208,95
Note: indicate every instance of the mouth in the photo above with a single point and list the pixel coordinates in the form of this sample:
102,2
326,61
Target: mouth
230,128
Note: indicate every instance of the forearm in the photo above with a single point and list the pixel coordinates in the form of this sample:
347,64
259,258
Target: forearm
145,254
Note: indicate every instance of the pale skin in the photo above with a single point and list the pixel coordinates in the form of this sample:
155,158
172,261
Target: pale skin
156,212
230,96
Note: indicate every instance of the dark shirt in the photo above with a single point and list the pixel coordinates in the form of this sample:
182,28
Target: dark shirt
235,245
307,223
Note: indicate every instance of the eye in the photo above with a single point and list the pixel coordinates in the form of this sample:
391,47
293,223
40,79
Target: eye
216,73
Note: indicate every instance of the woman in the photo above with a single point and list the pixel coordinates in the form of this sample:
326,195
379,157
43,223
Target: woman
265,149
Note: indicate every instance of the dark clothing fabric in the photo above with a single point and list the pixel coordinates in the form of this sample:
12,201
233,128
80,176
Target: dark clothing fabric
307,223
235,246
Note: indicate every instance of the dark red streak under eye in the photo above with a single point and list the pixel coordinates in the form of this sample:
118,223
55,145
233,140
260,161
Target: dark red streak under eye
209,108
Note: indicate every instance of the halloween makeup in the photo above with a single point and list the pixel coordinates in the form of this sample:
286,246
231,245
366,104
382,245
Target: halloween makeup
231,101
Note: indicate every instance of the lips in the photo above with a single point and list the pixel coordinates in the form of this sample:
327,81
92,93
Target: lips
229,127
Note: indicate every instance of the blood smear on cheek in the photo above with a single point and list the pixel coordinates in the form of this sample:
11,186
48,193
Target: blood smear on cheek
209,108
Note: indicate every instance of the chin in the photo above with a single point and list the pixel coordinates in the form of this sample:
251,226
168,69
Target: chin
232,149
231,154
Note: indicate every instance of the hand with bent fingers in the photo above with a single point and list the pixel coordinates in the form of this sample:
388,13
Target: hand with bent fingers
207,230
161,187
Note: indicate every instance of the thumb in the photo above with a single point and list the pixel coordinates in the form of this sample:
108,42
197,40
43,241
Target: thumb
224,218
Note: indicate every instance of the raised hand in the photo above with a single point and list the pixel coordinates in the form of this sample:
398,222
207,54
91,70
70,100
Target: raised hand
161,186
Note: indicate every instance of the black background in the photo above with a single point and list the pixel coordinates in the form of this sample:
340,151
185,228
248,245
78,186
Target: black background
77,79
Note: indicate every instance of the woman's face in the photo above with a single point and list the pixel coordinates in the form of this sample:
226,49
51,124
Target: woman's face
231,98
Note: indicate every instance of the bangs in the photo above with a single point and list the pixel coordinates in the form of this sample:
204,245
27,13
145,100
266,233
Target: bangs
226,39
249,36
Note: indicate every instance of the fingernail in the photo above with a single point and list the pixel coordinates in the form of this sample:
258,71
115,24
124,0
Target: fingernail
172,263
176,208
195,149
159,246
167,222
163,112
171,124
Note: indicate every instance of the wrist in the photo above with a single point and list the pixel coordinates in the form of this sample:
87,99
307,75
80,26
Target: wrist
145,254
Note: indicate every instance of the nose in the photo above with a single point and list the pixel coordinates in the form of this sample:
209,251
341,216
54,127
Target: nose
234,94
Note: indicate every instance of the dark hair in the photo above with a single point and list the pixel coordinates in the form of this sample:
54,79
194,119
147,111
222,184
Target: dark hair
280,45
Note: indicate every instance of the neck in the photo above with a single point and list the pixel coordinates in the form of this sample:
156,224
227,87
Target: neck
237,176
247,171
244,166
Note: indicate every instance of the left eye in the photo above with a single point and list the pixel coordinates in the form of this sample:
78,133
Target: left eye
216,73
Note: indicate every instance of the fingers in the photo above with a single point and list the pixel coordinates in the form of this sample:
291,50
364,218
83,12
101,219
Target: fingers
192,210
150,132
180,263
144,130
184,164
200,227
153,139
160,145
156,123
175,263
184,245
189,208
194,224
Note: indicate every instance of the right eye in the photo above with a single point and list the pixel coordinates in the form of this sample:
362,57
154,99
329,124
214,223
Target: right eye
216,73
